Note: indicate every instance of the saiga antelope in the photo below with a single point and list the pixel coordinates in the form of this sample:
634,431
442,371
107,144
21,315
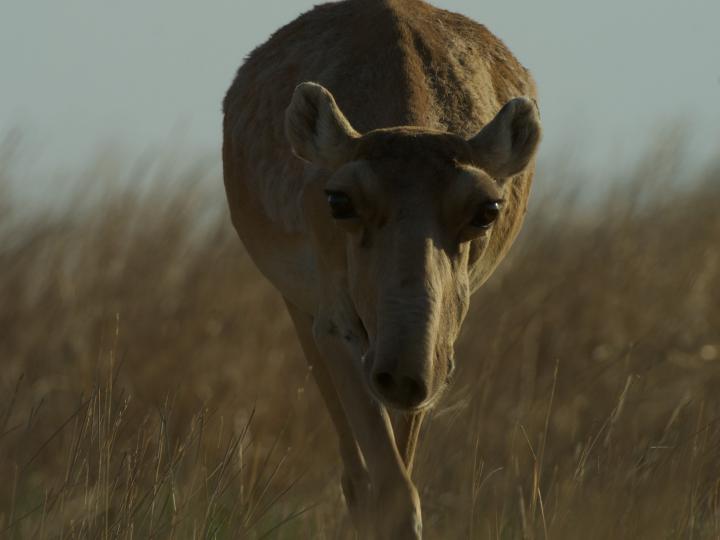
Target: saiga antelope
378,156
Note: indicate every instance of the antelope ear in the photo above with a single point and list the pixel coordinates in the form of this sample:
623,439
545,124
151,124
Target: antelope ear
505,146
317,129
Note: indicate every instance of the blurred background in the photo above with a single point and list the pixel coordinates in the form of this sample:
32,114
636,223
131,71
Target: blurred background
151,384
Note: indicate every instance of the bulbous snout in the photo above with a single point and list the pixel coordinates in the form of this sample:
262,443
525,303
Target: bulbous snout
413,329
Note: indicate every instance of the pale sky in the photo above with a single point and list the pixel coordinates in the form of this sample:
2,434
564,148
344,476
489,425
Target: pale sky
612,74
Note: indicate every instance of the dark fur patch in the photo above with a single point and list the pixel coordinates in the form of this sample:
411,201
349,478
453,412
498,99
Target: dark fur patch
408,143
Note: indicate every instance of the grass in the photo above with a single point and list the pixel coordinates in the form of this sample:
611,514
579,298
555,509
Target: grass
152,387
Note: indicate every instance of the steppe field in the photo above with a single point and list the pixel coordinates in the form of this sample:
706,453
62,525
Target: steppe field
151,385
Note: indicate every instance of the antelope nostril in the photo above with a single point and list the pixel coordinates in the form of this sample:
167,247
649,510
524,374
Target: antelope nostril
403,391
413,391
384,382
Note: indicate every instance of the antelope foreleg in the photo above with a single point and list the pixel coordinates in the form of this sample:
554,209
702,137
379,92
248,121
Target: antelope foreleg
396,503
407,431
355,478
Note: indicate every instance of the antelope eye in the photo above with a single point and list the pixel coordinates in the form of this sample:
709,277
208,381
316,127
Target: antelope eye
341,206
486,214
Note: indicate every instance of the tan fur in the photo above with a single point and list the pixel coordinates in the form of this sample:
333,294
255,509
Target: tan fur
396,63
420,117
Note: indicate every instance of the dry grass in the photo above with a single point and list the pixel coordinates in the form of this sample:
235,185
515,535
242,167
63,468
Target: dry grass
151,385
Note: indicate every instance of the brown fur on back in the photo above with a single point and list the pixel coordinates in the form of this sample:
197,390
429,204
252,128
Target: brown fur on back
388,63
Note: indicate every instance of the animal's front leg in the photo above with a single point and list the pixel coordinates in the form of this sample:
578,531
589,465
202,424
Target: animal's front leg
396,502
355,479
407,430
